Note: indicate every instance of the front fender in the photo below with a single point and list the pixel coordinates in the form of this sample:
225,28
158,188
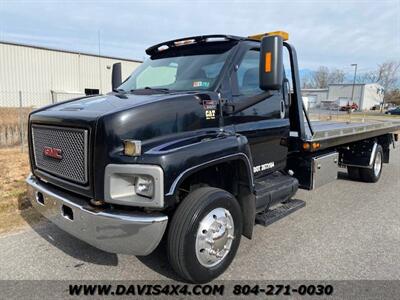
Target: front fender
179,162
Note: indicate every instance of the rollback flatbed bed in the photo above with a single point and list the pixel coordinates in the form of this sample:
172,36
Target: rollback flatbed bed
331,133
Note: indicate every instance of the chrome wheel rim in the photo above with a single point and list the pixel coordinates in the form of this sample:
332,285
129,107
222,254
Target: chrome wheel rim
214,237
378,163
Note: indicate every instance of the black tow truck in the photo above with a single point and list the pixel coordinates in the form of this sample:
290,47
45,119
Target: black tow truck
205,139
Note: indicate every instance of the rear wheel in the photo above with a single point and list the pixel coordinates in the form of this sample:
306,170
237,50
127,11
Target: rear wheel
373,174
204,234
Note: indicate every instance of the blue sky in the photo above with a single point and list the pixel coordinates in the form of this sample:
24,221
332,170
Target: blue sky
332,33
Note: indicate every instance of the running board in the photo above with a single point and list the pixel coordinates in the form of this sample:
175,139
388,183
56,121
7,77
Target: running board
285,208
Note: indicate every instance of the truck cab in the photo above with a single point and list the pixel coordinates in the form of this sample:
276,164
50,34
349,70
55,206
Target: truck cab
206,138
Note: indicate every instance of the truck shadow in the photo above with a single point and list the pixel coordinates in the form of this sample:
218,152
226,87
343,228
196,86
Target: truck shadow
344,176
69,244
158,262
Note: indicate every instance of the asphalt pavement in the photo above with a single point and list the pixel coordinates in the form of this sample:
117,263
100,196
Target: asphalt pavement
347,230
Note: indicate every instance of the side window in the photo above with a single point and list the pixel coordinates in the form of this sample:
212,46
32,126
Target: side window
247,74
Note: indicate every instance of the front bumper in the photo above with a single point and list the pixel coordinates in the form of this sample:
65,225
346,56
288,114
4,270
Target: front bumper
114,231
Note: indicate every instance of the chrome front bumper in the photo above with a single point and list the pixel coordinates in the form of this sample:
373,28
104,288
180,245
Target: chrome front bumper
114,231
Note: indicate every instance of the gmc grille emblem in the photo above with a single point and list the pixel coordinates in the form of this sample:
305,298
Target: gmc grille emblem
52,152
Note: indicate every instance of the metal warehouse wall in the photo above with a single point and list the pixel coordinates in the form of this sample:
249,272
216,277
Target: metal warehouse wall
365,95
319,94
37,71
344,91
373,95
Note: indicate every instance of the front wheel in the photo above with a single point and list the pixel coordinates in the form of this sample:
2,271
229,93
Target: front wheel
204,234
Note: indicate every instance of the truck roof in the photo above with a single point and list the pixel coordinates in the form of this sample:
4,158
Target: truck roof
192,40
209,39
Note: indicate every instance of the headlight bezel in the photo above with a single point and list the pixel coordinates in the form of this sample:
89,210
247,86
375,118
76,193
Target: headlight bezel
120,185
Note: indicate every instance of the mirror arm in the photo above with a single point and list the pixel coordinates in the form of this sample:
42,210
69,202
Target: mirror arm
230,108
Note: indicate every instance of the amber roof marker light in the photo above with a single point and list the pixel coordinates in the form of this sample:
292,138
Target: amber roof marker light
283,34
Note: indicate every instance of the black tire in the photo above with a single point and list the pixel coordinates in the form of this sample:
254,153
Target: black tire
353,173
370,174
181,244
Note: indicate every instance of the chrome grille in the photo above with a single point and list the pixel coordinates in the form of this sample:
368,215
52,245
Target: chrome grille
73,144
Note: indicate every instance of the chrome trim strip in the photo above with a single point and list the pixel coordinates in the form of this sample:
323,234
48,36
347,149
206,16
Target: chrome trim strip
365,167
156,150
173,186
86,155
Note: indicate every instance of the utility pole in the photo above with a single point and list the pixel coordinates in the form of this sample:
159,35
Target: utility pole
352,90
100,89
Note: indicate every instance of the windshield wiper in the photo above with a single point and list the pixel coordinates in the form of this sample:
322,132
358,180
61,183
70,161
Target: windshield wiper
157,89
164,90
121,91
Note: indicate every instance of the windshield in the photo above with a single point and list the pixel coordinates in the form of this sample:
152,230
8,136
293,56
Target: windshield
179,73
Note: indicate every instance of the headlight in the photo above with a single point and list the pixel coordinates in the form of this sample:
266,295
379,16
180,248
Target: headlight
134,185
144,186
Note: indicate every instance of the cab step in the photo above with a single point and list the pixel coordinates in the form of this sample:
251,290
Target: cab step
276,213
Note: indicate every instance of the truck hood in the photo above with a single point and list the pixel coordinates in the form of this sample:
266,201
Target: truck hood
105,104
79,111
154,119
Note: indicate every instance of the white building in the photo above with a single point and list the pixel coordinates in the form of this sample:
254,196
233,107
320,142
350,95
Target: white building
365,95
314,97
45,75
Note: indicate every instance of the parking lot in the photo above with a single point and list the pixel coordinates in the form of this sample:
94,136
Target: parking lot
348,230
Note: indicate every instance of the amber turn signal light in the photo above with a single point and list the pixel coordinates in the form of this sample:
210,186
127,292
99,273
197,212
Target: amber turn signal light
132,147
315,145
306,146
311,146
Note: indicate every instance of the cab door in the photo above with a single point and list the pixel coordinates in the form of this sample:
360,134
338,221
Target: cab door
266,123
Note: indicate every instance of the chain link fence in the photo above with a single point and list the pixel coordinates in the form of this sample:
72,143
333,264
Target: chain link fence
323,112
14,111
332,111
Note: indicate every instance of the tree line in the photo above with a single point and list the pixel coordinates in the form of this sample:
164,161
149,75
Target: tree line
386,74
